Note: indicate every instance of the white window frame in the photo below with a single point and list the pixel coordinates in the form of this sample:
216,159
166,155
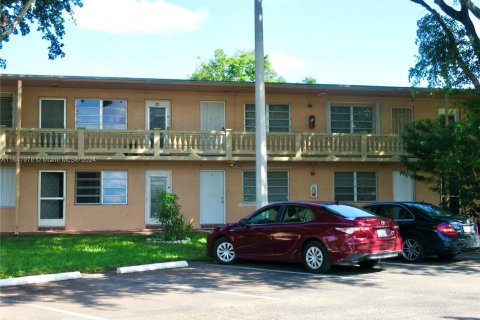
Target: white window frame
355,185
152,103
455,112
101,112
14,106
51,222
102,191
8,183
375,115
267,116
54,99
269,194
393,121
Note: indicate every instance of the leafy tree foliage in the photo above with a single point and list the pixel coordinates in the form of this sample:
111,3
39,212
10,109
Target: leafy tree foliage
445,155
309,80
170,217
17,17
448,46
239,68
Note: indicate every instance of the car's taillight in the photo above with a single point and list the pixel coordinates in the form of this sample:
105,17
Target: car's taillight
446,229
476,228
359,232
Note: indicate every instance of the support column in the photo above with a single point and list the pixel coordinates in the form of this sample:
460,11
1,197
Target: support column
17,153
260,121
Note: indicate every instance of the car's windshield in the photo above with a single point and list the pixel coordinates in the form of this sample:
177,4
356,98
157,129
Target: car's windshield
347,211
431,210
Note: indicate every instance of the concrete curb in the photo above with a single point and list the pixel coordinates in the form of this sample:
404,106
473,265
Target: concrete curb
77,275
154,266
40,279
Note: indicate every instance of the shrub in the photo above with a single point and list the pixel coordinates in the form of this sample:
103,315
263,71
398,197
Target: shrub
172,220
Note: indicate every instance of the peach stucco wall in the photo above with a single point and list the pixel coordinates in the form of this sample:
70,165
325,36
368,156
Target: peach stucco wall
186,184
185,106
185,115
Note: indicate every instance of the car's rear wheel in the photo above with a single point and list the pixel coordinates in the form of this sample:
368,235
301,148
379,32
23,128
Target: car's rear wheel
412,250
369,263
223,251
315,257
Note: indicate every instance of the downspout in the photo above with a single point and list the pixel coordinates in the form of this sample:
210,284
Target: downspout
17,154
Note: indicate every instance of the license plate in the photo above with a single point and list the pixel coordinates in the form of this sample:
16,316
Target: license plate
382,233
467,229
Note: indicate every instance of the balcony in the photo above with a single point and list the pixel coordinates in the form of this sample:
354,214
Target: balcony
181,145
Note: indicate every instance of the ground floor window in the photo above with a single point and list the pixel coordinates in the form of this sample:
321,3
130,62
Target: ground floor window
8,186
277,186
101,187
355,186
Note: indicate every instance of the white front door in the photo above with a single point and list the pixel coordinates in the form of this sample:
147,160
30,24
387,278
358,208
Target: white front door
157,114
212,197
51,199
155,180
212,115
403,188
52,116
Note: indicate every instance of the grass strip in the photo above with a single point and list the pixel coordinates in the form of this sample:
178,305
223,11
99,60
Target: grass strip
91,253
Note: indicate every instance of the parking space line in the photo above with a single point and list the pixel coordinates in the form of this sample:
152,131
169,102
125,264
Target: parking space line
231,293
416,265
309,274
71,313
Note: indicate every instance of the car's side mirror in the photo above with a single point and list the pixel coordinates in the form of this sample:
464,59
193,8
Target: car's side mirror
243,222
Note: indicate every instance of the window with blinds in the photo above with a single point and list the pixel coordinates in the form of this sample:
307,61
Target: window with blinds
7,110
277,117
401,116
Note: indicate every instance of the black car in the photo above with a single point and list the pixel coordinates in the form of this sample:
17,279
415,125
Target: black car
429,230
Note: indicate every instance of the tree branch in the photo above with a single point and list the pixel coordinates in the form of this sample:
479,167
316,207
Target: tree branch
453,13
473,8
10,29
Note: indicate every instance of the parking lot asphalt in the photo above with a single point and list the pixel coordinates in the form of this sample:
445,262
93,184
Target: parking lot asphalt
434,289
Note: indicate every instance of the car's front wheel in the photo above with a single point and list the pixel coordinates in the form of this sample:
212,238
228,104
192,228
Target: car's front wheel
315,257
413,250
223,251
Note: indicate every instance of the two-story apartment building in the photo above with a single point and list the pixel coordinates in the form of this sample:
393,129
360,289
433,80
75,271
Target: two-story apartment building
88,154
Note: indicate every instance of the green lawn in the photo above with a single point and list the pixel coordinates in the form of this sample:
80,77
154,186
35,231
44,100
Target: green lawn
41,254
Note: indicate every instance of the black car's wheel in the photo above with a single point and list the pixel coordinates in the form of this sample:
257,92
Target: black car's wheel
413,250
315,257
223,251
369,263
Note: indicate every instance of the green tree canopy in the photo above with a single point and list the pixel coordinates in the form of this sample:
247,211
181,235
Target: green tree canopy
309,80
448,46
239,68
17,17
445,154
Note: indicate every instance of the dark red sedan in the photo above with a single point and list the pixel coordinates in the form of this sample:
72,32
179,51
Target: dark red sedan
317,234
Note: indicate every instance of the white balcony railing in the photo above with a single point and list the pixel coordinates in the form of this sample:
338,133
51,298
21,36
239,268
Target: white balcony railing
227,145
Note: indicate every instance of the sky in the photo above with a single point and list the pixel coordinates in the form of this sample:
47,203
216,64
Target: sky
351,42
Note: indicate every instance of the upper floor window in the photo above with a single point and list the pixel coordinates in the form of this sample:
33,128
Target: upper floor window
277,117
7,110
401,116
351,119
452,112
101,114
